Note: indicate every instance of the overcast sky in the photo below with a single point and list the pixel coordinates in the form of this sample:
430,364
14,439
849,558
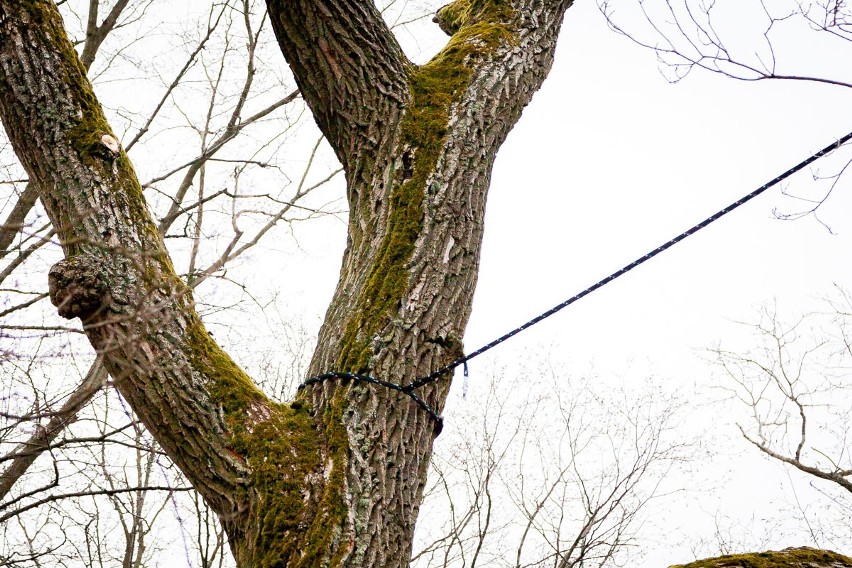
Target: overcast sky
609,161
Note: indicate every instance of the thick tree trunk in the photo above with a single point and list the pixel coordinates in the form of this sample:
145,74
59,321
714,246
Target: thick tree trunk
117,276
417,144
336,477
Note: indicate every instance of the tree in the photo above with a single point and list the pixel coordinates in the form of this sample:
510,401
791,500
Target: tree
337,475
504,494
753,41
792,385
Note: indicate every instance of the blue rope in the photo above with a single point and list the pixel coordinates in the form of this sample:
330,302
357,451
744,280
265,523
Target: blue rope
360,377
434,376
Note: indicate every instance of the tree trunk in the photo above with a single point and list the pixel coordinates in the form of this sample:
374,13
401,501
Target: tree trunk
336,477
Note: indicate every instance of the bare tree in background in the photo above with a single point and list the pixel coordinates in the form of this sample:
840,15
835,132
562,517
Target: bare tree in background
751,40
795,386
510,496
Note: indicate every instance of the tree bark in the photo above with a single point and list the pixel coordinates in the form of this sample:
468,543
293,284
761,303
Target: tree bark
336,477
787,558
417,144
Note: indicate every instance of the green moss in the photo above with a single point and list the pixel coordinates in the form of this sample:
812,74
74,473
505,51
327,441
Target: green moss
137,205
281,449
282,452
83,131
481,26
788,558
332,509
91,124
285,452
229,386
461,13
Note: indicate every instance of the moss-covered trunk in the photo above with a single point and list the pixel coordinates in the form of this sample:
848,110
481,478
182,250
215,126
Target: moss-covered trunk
418,144
334,478
788,558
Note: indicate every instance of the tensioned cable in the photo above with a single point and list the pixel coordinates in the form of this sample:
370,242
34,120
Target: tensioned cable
417,383
373,380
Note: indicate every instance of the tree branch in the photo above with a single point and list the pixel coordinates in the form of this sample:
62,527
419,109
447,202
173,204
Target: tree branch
15,221
24,456
348,66
96,34
833,476
117,275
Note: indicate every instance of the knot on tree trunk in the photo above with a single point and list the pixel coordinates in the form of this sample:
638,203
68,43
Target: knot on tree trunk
78,286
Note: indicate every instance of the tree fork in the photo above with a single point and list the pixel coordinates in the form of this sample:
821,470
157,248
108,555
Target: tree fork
417,144
336,477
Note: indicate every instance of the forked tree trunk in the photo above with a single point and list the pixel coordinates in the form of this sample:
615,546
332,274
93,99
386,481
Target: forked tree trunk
336,477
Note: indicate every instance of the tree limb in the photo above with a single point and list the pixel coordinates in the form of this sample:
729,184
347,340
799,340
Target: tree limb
14,223
348,66
24,456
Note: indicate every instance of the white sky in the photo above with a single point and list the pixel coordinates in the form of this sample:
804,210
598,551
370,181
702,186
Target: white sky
610,161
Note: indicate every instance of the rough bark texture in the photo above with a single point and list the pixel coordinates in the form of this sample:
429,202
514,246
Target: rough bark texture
787,558
336,477
417,144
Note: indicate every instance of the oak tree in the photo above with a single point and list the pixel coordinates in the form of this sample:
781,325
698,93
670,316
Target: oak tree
336,476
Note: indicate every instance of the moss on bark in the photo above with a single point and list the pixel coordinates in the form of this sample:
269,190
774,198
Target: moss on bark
297,463
481,27
788,558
